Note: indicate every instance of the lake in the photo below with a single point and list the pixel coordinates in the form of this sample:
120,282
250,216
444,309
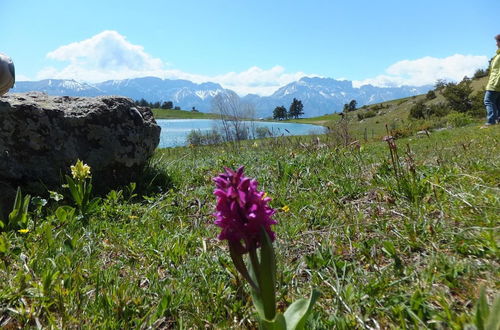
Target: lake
175,131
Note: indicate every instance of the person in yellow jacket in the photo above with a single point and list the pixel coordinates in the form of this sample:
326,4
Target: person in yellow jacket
492,95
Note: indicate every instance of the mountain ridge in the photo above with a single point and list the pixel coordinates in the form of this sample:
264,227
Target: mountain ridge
319,95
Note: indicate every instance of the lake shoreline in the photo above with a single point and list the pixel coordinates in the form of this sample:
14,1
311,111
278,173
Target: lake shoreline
175,131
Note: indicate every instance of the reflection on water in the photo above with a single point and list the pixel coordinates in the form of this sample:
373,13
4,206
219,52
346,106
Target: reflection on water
175,131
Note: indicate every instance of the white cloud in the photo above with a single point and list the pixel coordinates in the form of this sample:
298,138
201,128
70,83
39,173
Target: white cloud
108,56
427,70
258,81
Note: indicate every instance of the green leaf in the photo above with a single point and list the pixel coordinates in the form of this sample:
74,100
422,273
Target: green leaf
482,310
267,280
263,273
163,305
74,190
65,213
93,204
19,215
61,214
391,251
4,245
389,248
278,323
297,313
493,321
255,291
56,196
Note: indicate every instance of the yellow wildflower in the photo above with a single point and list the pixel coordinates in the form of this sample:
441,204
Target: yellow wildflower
285,208
264,196
23,231
80,171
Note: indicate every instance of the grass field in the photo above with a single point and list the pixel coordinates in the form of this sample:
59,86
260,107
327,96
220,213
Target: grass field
401,241
181,114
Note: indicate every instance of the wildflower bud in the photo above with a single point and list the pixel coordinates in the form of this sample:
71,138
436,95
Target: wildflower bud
390,141
80,171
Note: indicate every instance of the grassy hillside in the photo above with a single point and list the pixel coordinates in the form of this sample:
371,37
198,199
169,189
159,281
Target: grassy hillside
394,114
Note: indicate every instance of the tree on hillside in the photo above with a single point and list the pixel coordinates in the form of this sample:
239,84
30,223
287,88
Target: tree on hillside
440,84
296,109
419,110
458,95
351,106
142,102
430,95
279,113
481,73
167,105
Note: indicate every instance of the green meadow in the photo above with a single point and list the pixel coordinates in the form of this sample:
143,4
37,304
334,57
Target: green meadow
181,114
395,234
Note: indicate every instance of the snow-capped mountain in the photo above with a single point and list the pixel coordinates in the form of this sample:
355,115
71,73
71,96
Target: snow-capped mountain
183,93
325,95
58,87
319,95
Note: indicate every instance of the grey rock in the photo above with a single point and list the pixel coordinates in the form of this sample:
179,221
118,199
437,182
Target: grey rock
42,135
423,132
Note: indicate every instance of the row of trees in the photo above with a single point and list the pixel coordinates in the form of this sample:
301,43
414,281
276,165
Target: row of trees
295,110
157,105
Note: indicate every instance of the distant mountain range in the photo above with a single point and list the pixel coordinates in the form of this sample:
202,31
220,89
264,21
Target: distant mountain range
319,95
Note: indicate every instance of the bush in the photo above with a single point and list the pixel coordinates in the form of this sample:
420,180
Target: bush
457,95
480,73
367,114
262,132
430,95
458,119
440,85
422,111
195,137
419,110
438,109
478,109
199,138
381,106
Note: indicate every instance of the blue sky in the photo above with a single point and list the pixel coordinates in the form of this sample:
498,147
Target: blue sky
250,46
